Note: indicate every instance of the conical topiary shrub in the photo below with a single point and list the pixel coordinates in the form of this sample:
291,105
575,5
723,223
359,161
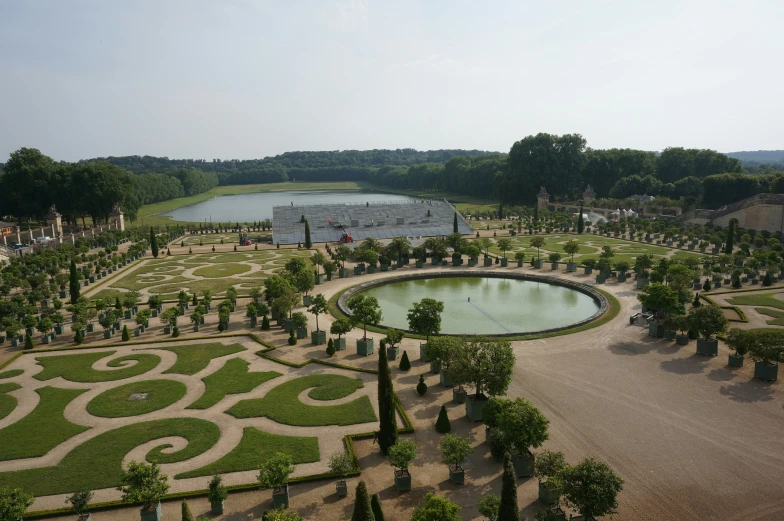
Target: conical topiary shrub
405,365
421,386
265,325
292,338
29,344
175,331
375,505
186,512
126,335
442,423
362,509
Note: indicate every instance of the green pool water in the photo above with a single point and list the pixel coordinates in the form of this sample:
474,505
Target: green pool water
497,306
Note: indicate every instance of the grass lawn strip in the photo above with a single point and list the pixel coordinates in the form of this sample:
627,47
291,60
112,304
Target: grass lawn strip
762,299
117,402
778,316
282,405
256,446
7,403
192,359
78,367
97,463
221,270
232,378
11,373
43,429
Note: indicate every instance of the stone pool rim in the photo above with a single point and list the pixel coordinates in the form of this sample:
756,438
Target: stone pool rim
597,297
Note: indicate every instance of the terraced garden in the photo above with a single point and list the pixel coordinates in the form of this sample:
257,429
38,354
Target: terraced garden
94,408
216,272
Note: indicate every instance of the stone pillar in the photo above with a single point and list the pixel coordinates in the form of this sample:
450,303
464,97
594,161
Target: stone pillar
588,195
117,218
55,220
542,198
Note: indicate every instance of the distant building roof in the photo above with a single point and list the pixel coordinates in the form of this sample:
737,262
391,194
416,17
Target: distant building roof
638,197
4,224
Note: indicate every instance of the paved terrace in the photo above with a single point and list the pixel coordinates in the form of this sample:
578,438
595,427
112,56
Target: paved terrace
380,220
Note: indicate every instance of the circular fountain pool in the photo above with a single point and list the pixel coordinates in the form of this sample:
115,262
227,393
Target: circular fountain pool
486,304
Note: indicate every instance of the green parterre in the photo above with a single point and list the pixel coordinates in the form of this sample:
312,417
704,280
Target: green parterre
128,385
216,272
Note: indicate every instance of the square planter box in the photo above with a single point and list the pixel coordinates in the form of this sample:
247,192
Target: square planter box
365,347
107,333
45,339
655,330
385,267
91,279
435,367
423,353
287,325
504,262
475,407
549,496
357,270
707,347
136,332
472,262
320,279
217,508
488,262
766,372
392,353
167,330
153,312
419,264
63,294
587,270
152,514
371,269
571,267
641,283
735,360
301,333
601,279
343,273
195,328
127,314
340,344
318,337
402,480
682,340
523,464
15,342
446,379
280,497
669,334
90,328
435,260
457,475
306,300
538,264
59,329
341,488
458,395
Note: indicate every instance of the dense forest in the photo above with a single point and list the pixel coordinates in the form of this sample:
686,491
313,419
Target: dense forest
563,164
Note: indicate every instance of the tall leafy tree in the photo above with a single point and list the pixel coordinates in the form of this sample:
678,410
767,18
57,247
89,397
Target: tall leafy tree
26,184
387,435
424,317
153,243
508,510
73,283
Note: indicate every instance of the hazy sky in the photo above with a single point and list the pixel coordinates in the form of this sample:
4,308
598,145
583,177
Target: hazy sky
252,78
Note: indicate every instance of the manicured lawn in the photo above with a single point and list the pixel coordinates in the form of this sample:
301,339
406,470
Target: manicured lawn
759,299
78,367
221,270
256,446
232,378
282,404
43,429
778,316
97,463
11,373
7,403
117,402
194,358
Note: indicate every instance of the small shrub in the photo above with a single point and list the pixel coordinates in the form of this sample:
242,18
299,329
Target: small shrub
29,344
126,335
330,348
176,332
421,387
442,423
213,248
78,338
265,325
292,338
235,247
405,365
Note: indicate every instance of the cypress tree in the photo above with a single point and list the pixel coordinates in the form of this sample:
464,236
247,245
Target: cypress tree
265,325
767,281
508,511
186,512
331,348
501,210
117,304
362,509
387,434
308,244
29,344
126,335
73,283
454,224
580,221
536,216
730,239
153,243
405,365
375,505
442,423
